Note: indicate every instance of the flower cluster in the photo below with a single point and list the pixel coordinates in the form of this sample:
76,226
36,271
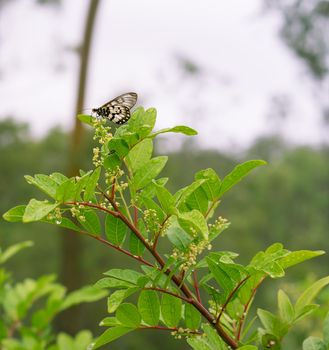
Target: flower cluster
189,257
113,174
218,226
151,220
102,132
214,308
56,215
96,157
76,212
182,332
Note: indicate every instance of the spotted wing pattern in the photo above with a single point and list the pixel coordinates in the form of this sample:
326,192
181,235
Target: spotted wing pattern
118,109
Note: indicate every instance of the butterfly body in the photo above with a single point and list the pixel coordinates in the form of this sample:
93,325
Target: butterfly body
118,109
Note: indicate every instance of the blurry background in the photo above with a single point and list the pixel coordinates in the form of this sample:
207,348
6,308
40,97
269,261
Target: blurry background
251,76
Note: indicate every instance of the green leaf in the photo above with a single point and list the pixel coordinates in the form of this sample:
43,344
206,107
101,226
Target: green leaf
326,330
63,222
91,185
136,247
165,198
239,172
109,322
140,154
118,145
178,129
66,192
117,297
149,190
15,214
91,222
142,122
37,210
58,178
14,249
181,195
305,311
115,230
109,335
286,309
64,342
314,343
192,317
81,184
86,118
149,307
271,341
127,275
272,324
199,343
150,204
212,185
171,310
226,275
213,338
149,171
310,293
82,340
44,183
248,347
196,220
294,258
110,282
128,315
177,236
126,134
112,161
86,294
198,200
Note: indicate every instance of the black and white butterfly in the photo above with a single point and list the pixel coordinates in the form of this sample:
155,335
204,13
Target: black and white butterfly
118,109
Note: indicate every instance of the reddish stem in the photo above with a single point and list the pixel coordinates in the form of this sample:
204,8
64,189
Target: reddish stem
196,286
229,298
172,329
245,309
178,281
12,329
135,216
113,190
210,208
170,293
157,236
124,251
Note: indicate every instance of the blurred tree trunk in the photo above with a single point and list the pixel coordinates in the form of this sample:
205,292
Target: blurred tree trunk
71,272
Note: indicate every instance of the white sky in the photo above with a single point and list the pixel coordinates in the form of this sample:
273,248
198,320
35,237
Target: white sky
136,47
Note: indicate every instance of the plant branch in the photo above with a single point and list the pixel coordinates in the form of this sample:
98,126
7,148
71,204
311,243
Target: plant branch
210,208
13,328
112,198
172,329
124,251
246,307
229,298
168,292
196,286
135,215
178,281
157,235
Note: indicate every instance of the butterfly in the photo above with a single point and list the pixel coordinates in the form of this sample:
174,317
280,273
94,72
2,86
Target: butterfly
118,109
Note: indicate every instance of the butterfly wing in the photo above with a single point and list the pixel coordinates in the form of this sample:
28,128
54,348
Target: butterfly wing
128,100
118,109
120,116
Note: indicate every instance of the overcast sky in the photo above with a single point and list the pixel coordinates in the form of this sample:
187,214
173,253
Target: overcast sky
138,46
